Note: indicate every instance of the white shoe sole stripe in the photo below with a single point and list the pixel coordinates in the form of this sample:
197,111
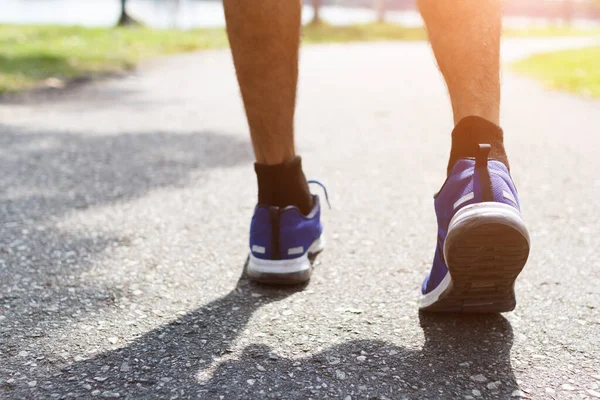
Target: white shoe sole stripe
509,196
299,264
433,296
295,250
464,199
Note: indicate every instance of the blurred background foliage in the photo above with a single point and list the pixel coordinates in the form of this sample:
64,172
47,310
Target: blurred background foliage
50,42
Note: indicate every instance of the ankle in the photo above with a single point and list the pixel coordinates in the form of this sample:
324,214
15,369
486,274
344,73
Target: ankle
472,131
283,185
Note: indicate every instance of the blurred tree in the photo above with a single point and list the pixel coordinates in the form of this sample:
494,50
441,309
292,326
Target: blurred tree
125,19
567,11
380,8
317,12
175,10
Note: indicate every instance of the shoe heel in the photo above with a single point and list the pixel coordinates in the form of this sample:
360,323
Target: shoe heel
486,248
285,272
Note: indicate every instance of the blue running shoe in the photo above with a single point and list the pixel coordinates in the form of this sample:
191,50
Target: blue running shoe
282,241
482,243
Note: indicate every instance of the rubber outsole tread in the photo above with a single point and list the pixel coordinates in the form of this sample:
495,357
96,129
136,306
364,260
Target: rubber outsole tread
294,278
484,262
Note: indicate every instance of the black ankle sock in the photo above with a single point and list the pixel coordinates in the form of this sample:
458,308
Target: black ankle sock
469,133
283,185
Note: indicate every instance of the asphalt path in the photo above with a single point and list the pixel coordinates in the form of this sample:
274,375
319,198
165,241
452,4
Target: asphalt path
124,214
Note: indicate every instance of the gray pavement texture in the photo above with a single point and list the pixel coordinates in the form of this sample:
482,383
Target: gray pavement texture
124,213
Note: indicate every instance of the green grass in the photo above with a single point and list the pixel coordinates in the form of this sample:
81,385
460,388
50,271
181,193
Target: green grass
31,54
576,71
550,31
324,33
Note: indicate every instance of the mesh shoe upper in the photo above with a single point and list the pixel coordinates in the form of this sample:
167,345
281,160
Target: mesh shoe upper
462,188
295,232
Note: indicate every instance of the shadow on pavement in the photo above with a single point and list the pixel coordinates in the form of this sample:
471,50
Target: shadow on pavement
46,177
191,358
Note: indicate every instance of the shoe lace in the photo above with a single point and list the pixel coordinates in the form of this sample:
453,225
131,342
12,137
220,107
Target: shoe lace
324,190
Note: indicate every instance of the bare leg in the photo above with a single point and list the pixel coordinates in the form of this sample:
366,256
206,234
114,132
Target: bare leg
465,37
265,37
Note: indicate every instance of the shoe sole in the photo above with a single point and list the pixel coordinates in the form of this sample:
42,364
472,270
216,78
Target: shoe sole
486,248
285,272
